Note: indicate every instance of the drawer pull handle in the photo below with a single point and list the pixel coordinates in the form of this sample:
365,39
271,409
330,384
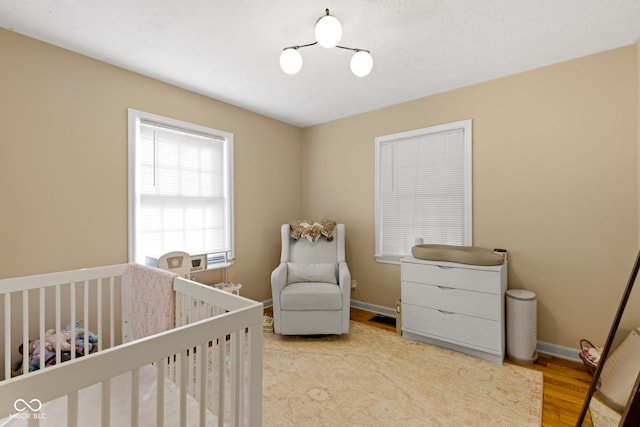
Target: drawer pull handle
445,267
446,313
445,288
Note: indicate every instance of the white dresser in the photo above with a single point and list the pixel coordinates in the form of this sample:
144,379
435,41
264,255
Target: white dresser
456,306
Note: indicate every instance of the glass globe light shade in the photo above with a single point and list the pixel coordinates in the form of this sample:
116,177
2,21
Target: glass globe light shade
290,61
328,31
361,63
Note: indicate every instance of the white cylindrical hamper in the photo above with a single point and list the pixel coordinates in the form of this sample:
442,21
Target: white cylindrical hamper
522,333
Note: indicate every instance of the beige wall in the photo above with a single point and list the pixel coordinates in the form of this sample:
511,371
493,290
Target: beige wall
63,157
555,182
555,175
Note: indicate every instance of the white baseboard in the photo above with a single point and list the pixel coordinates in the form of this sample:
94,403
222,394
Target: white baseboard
559,351
377,309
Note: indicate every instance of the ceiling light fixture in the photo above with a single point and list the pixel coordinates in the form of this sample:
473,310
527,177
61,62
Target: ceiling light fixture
328,33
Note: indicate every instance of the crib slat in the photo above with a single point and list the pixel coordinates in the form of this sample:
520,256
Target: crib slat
160,375
99,313
135,393
7,335
241,375
194,366
221,380
256,340
72,409
202,377
105,403
235,378
213,372
72,290
182,376
58,326
42,330
112,315
85,320
25,331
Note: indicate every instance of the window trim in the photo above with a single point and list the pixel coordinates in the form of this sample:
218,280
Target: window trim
466,126
134,118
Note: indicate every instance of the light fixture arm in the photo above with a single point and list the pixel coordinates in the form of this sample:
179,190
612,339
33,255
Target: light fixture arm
302,45
355,49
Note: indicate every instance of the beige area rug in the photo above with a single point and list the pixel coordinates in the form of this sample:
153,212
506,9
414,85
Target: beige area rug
372,377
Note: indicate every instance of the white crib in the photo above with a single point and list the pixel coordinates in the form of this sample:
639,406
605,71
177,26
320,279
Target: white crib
202,366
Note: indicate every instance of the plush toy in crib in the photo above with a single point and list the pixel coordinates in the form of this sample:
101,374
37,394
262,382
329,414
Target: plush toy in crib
51,340
81,336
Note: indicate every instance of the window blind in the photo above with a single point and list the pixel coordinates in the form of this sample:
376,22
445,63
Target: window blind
183,193
423,190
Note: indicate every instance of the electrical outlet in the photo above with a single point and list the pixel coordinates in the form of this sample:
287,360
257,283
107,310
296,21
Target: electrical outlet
354,284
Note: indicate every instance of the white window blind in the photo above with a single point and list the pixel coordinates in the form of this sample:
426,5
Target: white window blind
182,189
423,189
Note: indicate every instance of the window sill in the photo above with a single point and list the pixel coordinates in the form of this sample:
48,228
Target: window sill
388,259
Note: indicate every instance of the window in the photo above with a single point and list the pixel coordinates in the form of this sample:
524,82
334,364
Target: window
180,188
423,189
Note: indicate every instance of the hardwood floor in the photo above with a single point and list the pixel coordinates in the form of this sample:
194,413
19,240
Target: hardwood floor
565,386
565,382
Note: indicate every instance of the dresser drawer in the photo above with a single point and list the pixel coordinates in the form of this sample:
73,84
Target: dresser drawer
455,328
480,280
475,304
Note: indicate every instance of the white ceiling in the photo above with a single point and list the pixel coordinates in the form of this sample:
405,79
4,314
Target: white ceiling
229,49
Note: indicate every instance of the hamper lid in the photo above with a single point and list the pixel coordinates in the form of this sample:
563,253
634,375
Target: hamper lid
521,294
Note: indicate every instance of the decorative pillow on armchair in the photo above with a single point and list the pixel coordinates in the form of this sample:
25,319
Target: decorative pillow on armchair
323,273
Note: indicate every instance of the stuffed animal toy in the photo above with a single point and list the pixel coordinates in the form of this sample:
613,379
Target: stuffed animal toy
81,336
51,341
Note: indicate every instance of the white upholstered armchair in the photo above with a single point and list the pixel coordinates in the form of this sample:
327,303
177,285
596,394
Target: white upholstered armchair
311,288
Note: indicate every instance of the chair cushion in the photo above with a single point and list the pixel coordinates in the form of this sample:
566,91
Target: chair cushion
311,296
322,273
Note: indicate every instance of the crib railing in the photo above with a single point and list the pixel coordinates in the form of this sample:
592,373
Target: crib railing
213,355
227,370
31,305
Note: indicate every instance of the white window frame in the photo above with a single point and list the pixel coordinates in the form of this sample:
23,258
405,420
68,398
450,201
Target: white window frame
135,117
465,125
